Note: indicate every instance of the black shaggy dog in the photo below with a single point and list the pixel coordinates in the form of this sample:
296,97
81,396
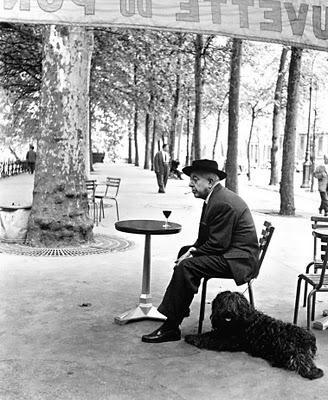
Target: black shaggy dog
237,326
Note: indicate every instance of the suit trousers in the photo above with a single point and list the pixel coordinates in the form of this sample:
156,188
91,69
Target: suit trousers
162,178
186,280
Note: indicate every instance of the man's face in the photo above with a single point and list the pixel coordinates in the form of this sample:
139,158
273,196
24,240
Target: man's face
200,184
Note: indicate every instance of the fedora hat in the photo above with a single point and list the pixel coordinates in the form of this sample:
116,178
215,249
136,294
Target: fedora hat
204,165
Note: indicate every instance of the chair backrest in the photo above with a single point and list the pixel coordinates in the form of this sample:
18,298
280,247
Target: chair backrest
323,265
318,253
264,240
112,183
91,188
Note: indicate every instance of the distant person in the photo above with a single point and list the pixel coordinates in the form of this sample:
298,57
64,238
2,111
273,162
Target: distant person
321,174
161,167
31,158
174,169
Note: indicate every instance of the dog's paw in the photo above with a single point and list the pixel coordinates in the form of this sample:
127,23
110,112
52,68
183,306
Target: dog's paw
193,339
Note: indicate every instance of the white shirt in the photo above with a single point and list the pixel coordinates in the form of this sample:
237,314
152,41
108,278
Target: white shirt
165,156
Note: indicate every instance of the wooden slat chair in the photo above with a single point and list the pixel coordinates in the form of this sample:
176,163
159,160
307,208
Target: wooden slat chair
316,263
264,242
91,190
110,192
319,283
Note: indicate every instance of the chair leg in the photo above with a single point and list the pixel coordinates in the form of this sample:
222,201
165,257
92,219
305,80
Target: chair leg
313,305
305,294
95,213
309,308
250,293
118,217
202,307
297,300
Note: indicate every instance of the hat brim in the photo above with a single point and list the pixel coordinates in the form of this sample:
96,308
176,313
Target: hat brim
188,170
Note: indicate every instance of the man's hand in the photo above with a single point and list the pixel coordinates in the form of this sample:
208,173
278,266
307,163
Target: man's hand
188,254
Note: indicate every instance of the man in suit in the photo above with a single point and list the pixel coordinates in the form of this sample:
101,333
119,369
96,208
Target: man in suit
226,247
161,166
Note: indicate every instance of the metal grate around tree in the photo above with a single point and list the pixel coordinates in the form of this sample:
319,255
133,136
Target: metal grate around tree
101,244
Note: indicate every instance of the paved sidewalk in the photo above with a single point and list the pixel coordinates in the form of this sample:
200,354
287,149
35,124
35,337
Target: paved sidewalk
51,348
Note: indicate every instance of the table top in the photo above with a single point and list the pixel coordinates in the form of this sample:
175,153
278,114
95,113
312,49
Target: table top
13,207
321,232
147,226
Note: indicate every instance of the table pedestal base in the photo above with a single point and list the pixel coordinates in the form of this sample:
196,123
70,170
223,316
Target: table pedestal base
145,310
139,313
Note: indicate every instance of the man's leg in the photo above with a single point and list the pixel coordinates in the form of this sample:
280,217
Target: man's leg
181,290
166,174
160,182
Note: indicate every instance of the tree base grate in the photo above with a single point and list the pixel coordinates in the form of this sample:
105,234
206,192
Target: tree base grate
101,244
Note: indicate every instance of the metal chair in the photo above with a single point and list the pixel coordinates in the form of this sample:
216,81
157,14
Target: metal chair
316,263
319,282
264,241
112,186
91,190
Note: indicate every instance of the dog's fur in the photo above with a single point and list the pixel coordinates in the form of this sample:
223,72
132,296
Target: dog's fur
237,326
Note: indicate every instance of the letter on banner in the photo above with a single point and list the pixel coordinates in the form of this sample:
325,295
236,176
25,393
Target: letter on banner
318,32
89,6
243,11
193,11
50,5
127,8
297,23
216,10
145,11
24,5
274,14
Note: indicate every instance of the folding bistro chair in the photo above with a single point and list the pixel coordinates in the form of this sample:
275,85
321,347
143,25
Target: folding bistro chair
264,241
319,282
112,186
316,263
91,190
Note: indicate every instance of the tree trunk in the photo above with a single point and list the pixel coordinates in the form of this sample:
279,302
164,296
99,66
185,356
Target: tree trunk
188,132
249,146
59,215
218,124
130,143
198,96
89,159
276,118
232,152
136,119
147,140
153,144
175,109
135,135
288,159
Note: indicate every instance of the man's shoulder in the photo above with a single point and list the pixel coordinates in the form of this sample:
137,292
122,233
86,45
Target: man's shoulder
225,195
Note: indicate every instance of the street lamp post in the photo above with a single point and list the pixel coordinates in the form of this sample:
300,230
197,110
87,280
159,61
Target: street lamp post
307,162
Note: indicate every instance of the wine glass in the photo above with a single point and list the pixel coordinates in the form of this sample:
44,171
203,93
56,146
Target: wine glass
166,213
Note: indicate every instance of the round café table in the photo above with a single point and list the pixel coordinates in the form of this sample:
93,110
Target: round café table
145,308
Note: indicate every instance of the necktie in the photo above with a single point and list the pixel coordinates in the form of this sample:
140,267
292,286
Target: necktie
203,211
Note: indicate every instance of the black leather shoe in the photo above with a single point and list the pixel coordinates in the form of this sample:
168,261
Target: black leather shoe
161,335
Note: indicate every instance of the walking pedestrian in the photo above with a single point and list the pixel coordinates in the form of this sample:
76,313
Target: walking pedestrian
161,166
321,174
31,158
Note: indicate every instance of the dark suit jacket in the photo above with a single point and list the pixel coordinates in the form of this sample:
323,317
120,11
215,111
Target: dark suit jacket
227,229
160,166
